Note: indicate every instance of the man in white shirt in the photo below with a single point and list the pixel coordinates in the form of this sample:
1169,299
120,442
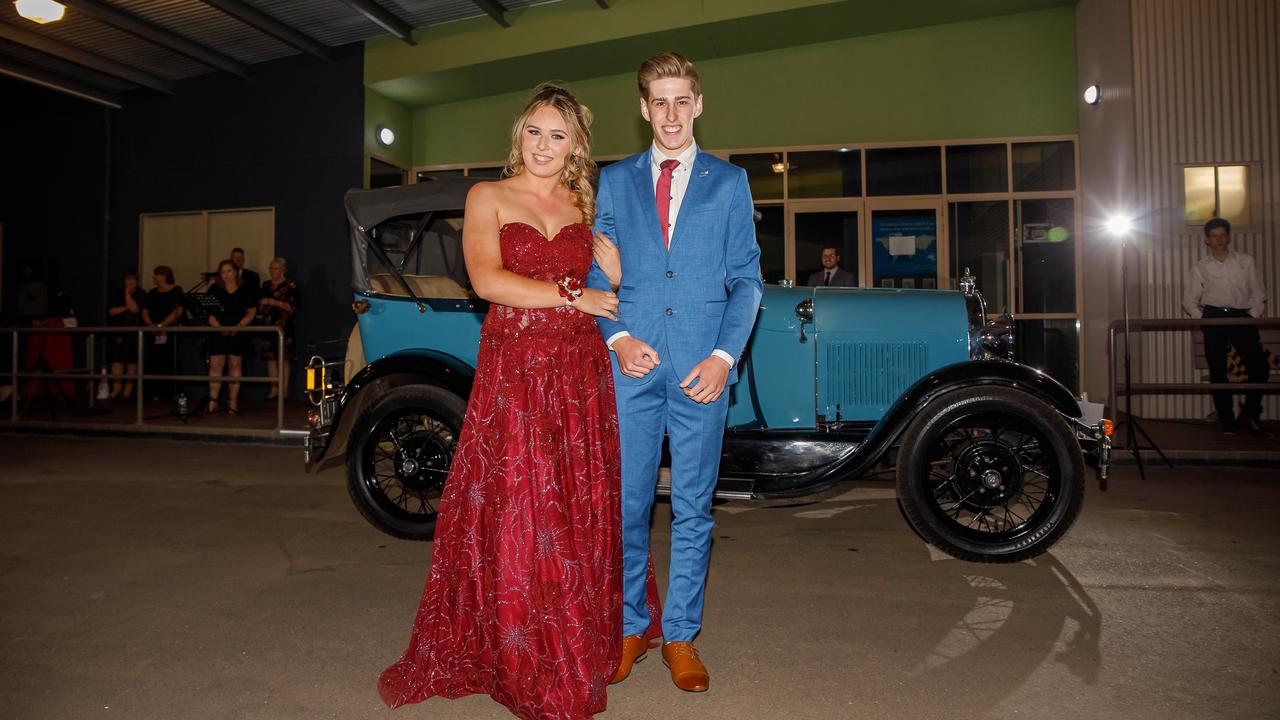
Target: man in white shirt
1227,284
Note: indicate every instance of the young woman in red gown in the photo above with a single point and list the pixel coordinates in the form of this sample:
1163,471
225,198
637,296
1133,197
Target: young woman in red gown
523,601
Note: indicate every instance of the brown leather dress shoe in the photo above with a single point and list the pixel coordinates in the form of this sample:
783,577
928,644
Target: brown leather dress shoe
634,648
687,670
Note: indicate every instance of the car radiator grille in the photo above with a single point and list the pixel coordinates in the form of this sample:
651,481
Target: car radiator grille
870,373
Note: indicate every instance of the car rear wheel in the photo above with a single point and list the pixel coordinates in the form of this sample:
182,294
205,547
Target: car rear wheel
990,474
402,447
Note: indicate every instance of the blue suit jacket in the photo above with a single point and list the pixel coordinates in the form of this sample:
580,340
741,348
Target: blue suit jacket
701,296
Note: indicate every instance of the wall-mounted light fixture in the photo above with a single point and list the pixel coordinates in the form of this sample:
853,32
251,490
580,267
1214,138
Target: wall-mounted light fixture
386,136
40,11
1092,95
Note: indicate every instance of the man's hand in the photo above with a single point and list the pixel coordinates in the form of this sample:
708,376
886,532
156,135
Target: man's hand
635,357
712,374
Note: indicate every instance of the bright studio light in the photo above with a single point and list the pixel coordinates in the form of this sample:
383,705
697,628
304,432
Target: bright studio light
386,136
1091,95
40,11
1119,225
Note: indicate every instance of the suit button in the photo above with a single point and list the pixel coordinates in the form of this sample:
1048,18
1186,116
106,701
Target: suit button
670,274
670,311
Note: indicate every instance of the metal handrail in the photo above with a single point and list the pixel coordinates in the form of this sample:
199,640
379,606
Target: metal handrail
140,377
1141,324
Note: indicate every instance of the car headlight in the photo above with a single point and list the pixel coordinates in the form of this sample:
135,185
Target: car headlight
995,340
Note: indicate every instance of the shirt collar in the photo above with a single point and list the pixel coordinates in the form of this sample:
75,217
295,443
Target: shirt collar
686,158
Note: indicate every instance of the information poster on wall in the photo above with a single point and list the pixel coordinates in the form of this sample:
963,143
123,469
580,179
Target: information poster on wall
904,247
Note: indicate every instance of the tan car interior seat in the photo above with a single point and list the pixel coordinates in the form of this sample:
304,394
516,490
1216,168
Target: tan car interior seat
424,286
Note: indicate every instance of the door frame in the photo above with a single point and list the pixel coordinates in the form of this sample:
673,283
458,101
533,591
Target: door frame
793,207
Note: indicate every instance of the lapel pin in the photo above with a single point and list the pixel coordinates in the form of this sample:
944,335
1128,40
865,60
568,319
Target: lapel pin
704,173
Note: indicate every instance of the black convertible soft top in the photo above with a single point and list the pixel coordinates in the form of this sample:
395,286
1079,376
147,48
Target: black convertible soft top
367,208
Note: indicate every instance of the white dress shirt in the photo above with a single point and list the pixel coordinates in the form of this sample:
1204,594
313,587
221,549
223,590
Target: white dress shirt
679,184
1232,283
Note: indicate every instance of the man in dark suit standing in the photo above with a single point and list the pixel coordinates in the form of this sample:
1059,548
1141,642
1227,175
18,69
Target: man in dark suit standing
831,273
247,277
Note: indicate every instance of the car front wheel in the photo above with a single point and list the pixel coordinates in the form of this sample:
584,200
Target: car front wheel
990,474
402,447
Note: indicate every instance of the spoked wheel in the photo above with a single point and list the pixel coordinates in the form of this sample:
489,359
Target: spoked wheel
402,449
990,475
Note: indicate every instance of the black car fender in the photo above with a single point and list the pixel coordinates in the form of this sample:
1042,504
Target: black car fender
972,373
408,367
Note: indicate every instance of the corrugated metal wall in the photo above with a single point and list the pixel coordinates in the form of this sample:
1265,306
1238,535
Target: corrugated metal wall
1207,90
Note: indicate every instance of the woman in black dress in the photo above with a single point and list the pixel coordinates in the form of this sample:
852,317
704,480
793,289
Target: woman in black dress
162,309
228,348
124,346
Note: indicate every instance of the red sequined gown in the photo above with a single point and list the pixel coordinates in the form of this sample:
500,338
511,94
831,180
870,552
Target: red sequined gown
523,601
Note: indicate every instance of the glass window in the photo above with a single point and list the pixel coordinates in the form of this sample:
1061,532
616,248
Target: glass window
1039,166
384,174
764,173
1052,346
430,175
980,242
817,232
1217,191
824,174
977,169
492,173
771,236
904,249
904,171
1046,260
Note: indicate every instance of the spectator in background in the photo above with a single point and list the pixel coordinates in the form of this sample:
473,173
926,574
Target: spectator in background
831,273
276,307
228,348
1227,284
244,276
162,308
123,350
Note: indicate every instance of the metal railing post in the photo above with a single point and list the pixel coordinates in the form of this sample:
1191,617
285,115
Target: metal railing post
137,387
281,364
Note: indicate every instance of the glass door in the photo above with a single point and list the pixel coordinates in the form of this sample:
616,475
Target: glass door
826,247
902,244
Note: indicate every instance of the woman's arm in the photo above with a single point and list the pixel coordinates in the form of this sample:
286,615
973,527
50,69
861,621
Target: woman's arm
482,251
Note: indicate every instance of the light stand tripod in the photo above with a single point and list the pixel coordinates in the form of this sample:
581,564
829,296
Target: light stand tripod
1120,227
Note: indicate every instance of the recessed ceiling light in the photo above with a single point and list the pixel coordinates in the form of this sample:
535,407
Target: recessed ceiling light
40,11
1091,95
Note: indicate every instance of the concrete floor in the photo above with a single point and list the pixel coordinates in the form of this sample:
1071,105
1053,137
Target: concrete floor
154,579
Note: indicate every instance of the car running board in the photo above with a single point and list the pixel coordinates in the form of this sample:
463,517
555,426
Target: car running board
726,488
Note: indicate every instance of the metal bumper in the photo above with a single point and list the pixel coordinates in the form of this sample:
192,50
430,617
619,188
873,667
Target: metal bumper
1095,443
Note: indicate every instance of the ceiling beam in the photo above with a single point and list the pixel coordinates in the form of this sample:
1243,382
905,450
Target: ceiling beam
264,23
46,79
97,63
383,18
158,35
494,10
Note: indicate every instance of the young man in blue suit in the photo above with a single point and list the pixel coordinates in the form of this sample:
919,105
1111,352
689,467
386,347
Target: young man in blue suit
690,289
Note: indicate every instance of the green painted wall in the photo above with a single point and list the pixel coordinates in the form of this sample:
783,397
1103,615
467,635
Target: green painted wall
1010,75
380,110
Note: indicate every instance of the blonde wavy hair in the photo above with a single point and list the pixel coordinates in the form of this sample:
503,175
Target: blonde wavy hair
579,173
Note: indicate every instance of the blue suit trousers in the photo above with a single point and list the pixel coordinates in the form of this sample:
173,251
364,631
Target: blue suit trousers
695,432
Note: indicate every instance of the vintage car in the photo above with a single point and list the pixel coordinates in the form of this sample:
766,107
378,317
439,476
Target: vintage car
990,454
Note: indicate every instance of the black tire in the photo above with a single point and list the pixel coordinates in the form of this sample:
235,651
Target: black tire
990,474
400,453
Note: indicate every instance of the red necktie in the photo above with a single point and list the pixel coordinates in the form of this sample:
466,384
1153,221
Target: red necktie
663,193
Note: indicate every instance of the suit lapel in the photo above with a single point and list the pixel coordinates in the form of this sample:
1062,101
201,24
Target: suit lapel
694,193
642,175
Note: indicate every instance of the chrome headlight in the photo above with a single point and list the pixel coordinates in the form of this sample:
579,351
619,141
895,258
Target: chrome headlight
995,340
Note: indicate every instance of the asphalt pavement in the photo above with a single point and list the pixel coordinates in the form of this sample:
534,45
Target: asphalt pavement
148,579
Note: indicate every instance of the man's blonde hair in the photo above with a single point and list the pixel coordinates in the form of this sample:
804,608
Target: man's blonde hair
667,65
